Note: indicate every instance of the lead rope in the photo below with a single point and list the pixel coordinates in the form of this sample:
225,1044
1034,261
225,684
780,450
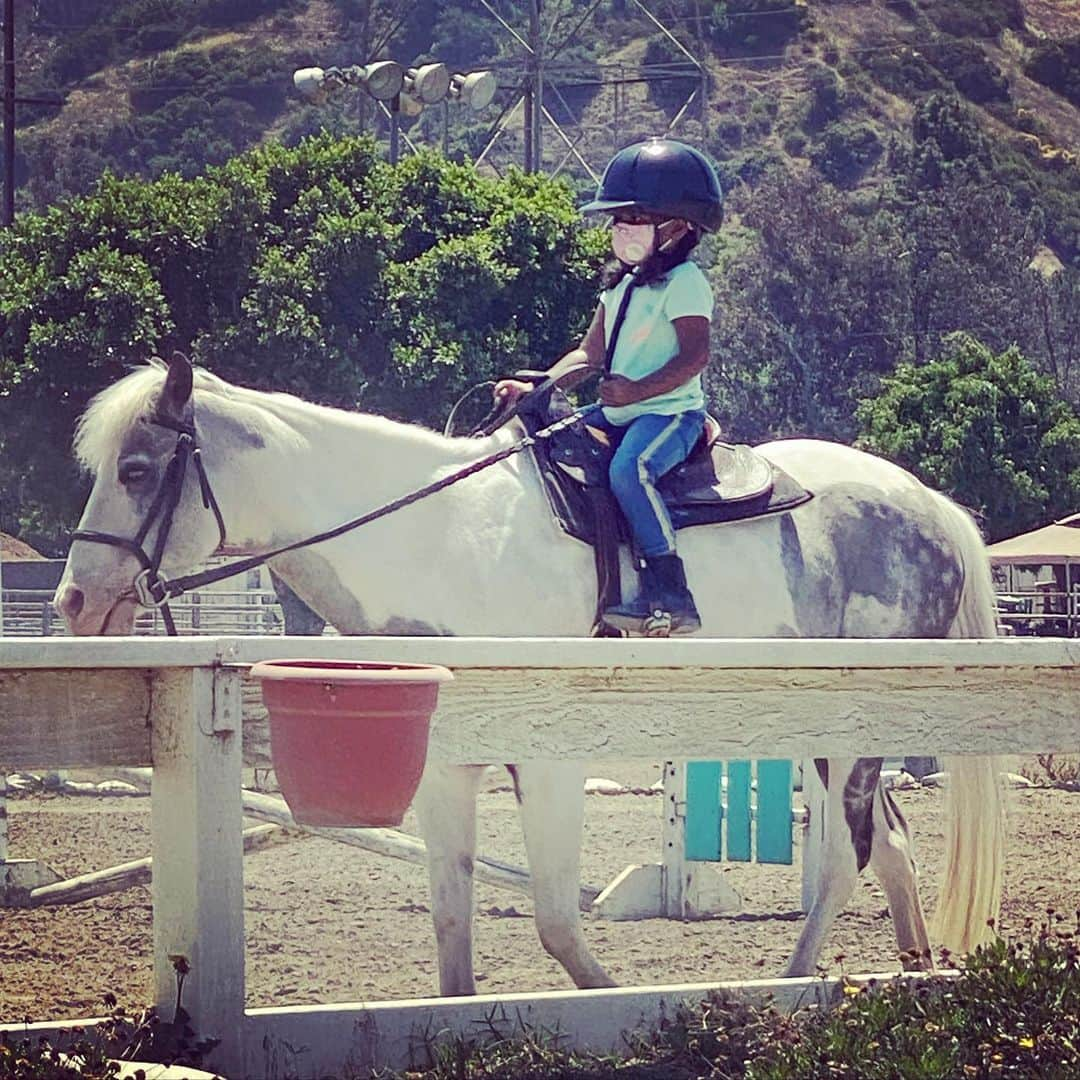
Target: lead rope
605,510
620,318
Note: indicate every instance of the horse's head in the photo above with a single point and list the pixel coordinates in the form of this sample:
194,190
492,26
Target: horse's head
146,509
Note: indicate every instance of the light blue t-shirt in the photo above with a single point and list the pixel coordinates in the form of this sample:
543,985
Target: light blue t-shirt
647,340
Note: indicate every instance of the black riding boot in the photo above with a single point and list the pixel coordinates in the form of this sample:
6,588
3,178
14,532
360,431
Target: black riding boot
663,605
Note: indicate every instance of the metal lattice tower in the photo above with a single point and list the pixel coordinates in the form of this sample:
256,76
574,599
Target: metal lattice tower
540,73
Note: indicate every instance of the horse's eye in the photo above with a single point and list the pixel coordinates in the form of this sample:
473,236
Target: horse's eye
133,474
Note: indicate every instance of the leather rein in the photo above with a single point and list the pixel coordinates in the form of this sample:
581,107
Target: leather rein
151,590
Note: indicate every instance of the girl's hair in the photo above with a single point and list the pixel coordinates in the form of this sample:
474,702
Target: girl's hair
656,267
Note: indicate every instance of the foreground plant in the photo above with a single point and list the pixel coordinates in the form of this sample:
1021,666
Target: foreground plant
96,1053
1013,1011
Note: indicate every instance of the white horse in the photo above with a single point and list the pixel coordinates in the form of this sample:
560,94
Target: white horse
873,554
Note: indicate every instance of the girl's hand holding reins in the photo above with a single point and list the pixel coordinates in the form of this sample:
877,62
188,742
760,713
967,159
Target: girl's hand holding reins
619,390
508,391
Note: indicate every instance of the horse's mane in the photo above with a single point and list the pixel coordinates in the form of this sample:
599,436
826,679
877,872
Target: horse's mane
113,412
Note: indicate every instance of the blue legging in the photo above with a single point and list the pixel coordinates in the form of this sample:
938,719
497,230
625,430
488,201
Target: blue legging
647,448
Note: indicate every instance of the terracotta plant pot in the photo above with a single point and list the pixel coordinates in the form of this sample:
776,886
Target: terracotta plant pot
348,739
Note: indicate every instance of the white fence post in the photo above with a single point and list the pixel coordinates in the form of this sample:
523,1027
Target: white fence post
196,824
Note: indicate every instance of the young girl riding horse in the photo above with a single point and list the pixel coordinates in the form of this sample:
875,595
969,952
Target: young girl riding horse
650,338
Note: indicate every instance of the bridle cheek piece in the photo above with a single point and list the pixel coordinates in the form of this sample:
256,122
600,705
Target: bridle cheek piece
149,588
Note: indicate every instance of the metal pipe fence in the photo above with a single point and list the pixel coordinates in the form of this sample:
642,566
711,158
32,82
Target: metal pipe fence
1040,612
210,612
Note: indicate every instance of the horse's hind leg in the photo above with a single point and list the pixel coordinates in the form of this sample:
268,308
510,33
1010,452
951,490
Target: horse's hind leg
845,850
892,858
446,809
552,801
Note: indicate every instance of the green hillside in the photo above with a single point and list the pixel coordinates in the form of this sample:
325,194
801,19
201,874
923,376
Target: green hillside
170,85
901,176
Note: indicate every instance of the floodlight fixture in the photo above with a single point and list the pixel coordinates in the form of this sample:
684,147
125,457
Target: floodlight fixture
409,105
429,83
311,83
477,89
382,79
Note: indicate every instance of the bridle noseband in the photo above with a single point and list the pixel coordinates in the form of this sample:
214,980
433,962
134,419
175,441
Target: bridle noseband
148,588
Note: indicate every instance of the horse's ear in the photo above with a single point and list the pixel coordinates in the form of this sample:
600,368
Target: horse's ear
177,390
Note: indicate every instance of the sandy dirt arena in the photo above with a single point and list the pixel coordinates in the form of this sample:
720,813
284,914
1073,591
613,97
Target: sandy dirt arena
328,923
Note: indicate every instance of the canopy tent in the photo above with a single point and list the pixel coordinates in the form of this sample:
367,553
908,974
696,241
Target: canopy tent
1057,544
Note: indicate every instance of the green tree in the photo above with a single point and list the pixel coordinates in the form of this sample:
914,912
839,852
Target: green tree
967,244
318,269
808,310
983,427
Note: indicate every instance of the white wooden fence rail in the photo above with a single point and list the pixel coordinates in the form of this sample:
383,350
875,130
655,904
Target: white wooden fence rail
176,705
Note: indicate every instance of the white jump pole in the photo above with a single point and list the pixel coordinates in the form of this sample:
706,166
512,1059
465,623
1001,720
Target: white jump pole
813,832
392,843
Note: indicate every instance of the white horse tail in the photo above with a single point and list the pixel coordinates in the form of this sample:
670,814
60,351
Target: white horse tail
970,899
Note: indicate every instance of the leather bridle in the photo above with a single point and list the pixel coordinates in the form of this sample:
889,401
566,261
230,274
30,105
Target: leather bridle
149,588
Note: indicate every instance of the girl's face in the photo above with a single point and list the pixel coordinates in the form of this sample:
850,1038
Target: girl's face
637,234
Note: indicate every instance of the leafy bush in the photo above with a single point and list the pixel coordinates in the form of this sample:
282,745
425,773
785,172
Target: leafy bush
245,74
96,34
827,100
794,142
903,71
984,428
971,71
976,18
463,33
944,127
846,151
748,166
1056,64
730,132
670,92
319,269
756,25
1014,1011
94,1054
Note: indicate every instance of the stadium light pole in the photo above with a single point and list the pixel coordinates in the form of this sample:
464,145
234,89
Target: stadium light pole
9,113
7,209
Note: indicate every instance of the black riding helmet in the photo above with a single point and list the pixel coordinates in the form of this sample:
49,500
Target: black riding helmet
661,176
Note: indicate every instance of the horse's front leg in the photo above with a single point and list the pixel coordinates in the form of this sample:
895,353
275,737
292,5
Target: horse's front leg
552,801
446,809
